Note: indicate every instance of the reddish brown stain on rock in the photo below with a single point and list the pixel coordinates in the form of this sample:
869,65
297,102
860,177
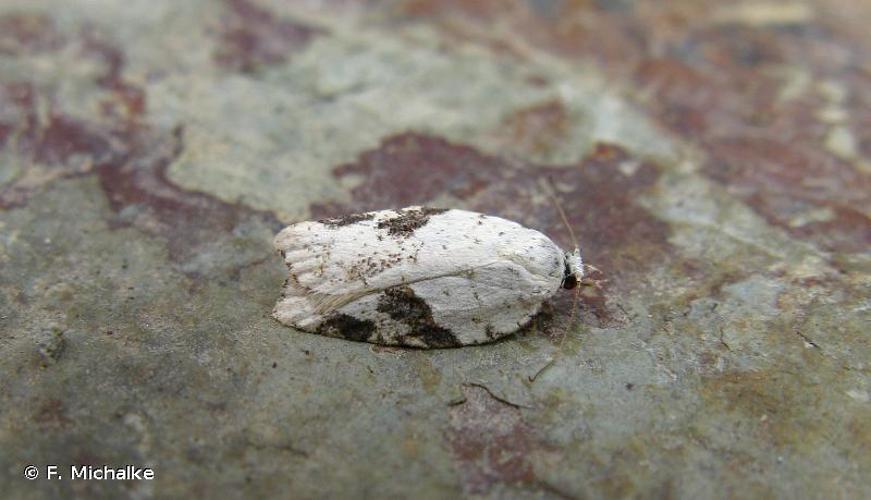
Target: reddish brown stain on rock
126,101
58,145
54,141
476,9
588,300
720,89
588,32
55,146
411,169
685,96
716,77
131,164
616,235
129,158
52,414
571,29
17,103
140,192
784,181
776,401
537,129
251,37
63,137
768,151
23,33
491,442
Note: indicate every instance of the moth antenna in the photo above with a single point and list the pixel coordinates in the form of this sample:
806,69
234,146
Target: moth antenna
551,193
559,348
572,317
550,189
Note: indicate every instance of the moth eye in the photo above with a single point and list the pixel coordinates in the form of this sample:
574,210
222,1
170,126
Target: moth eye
570,282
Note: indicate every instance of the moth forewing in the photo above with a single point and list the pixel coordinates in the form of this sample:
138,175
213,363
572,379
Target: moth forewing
417,276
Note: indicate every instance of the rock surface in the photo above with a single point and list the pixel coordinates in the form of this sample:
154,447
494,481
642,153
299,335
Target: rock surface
714,159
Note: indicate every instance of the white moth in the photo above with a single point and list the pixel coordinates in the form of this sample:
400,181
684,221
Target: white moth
420,277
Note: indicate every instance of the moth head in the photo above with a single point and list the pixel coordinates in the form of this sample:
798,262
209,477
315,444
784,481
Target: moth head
574,269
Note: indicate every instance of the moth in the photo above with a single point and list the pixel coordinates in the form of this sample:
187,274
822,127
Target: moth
419,277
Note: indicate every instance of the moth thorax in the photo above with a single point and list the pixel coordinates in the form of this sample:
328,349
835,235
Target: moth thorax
574,271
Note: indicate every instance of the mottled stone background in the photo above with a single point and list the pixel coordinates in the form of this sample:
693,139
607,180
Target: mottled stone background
713,157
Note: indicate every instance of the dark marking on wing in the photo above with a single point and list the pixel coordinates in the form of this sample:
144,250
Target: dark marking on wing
402,305
347,219
347,327
409,221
